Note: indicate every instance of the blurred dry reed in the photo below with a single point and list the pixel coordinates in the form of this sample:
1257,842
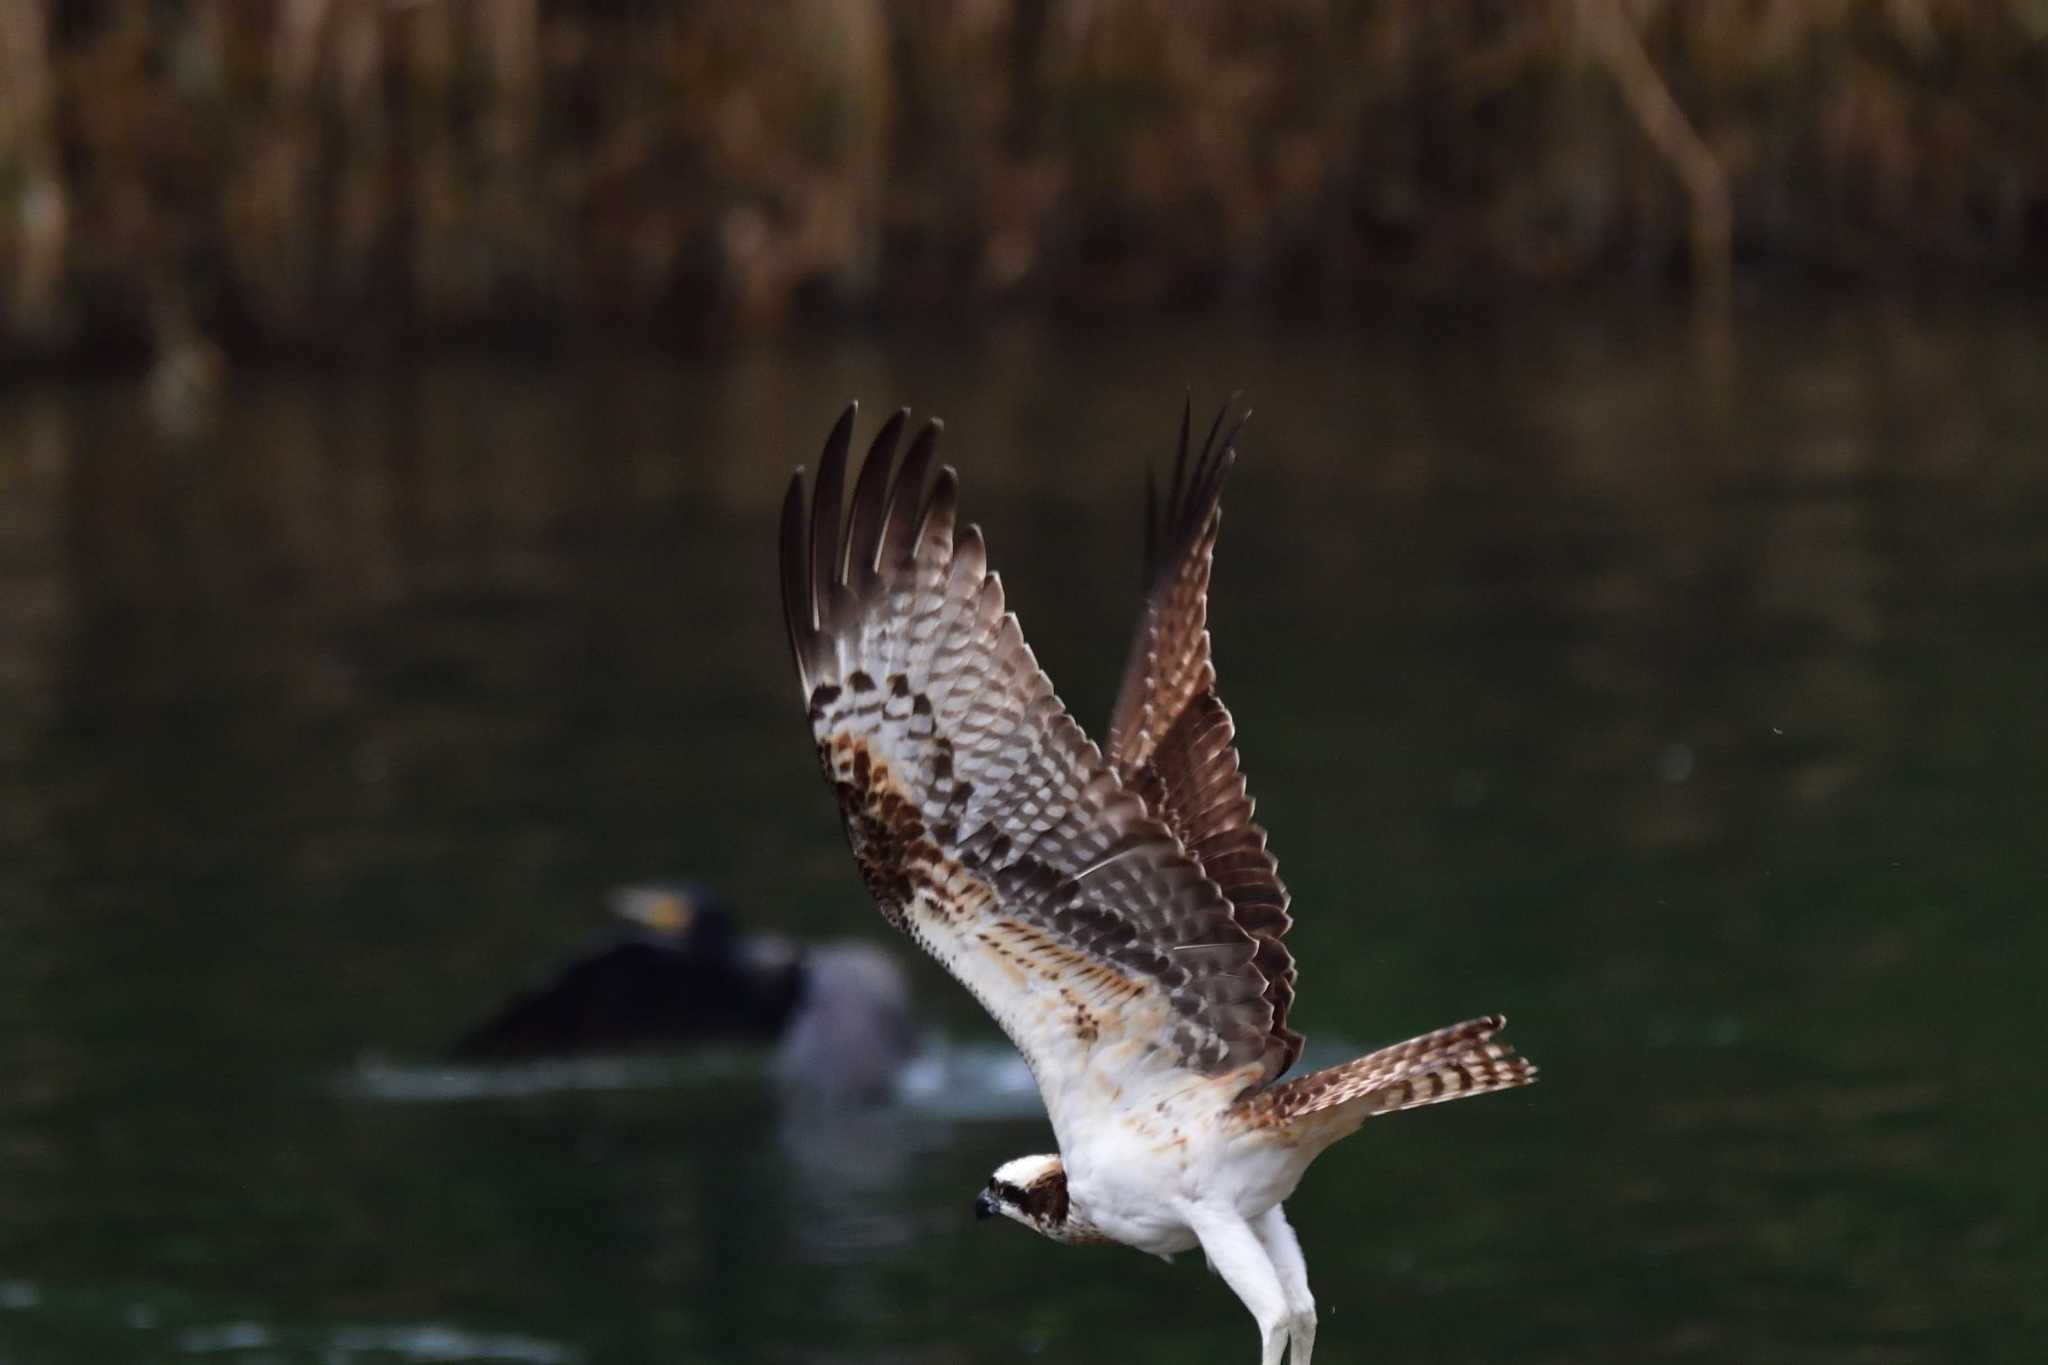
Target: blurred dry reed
311,171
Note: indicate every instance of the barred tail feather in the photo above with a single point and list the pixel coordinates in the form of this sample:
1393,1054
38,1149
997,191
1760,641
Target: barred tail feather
1448,1064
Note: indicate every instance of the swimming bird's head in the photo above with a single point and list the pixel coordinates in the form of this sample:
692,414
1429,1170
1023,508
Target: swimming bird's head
1032,1190
682,915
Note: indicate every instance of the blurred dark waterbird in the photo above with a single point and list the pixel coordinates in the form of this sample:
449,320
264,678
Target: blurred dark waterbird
676,973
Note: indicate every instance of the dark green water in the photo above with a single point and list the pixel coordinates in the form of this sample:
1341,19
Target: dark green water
1692,715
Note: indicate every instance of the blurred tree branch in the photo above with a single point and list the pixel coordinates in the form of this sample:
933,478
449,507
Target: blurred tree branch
1665,125
36,238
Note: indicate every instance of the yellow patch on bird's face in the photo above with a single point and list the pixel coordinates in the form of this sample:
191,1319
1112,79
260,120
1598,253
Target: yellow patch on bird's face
668,913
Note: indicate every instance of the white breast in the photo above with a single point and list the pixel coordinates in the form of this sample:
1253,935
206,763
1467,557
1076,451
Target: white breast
1135,1173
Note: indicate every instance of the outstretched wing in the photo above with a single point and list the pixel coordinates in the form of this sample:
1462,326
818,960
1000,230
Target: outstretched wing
1169,662
986,825
1172,740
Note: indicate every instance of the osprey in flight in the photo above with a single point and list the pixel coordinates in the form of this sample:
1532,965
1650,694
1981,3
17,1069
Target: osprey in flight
1116,910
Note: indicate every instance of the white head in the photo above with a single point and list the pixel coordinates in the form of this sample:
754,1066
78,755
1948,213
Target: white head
1032,1190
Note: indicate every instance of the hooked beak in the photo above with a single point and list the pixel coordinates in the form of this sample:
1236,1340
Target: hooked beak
984,1207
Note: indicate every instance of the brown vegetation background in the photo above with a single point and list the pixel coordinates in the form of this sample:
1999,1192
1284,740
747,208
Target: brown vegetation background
327,172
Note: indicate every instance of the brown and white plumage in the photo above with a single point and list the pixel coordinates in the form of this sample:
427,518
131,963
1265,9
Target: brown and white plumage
1171,738
1119,914
986,824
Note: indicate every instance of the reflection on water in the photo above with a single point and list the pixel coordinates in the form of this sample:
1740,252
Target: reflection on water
423,1341
943,1080
847,1171
378,1078
1691,717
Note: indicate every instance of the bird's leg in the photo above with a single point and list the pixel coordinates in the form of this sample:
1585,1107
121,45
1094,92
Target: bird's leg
1235,1253
1283,1249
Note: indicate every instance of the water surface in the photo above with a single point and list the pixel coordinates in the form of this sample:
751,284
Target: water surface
1690,712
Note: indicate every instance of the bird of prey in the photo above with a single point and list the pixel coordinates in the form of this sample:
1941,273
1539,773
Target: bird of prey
1116,909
